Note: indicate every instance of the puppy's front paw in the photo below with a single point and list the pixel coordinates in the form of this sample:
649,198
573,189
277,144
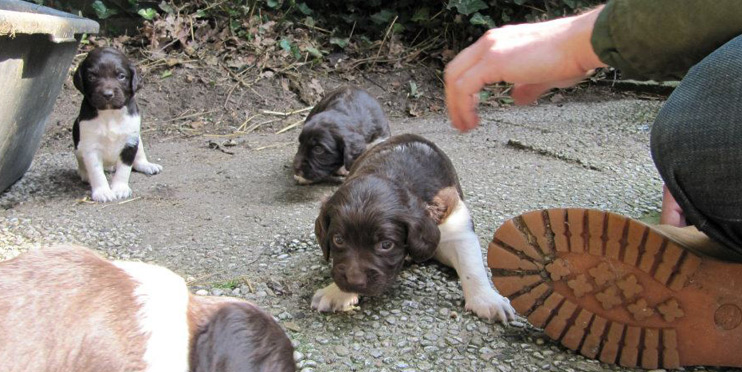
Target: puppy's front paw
302,181
121,190
103,195
148,168
489,304
331,298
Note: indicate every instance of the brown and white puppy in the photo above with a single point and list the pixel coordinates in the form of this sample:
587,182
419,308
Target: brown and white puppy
106,132
402,198
338,130
65,308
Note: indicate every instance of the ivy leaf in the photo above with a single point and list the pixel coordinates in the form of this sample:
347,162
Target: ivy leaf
467,7
102,11
148,14
483,20
382,17
339,41
166,7
273,4
303,8
166,74
421,15
484,95
285,45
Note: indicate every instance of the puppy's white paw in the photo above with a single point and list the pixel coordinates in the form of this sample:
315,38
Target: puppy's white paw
121,190
148,168
331,298
302,181
489,304
103,195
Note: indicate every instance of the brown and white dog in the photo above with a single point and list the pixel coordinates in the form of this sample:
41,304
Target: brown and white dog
106,132
402,198
337,131
65,308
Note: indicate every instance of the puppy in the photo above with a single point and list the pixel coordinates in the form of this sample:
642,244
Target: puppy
67,309
106,133
402,198
337,130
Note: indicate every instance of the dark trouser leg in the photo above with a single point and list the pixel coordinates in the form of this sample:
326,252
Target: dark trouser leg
697,145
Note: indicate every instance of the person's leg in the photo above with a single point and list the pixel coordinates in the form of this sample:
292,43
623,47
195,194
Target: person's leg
696,144
620,291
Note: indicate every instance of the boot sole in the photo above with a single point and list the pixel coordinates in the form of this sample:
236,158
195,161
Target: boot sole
614,289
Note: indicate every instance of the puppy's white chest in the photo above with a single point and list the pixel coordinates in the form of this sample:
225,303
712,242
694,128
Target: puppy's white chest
108,133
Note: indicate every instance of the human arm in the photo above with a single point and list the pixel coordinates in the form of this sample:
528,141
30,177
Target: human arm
534,57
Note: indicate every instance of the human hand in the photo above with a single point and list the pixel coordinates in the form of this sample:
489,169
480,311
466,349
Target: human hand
672,213
534,57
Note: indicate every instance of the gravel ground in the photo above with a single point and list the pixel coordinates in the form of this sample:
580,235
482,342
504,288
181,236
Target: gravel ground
237,225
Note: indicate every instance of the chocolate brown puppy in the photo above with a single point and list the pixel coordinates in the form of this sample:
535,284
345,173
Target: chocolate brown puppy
65,308
338,130
402,198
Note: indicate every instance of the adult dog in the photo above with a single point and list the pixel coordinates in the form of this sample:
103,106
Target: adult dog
336,132
65,308
106,132
402,198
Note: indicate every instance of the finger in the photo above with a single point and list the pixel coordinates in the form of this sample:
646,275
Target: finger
457,102
524,94
466,90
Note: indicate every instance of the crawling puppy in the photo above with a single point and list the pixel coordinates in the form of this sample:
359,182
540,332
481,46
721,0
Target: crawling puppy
402,198
338,130
106,132
65,308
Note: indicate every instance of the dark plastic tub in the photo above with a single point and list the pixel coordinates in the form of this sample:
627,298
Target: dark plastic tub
37,45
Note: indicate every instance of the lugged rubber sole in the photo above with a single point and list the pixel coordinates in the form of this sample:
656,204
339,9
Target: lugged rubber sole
614,289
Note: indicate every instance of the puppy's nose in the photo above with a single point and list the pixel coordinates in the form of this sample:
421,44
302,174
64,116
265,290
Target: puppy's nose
107,94
355,277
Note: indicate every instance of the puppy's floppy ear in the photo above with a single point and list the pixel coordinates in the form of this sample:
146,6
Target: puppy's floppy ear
320,230
136,82
423,235
353,147
77,79
241,337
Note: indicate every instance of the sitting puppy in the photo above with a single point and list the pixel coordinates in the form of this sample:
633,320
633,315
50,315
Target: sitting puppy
106,133
338,130
67,309
402,198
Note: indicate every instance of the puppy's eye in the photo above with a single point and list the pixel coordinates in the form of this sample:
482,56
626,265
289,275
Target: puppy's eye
386,245
318,150
121,76
338,240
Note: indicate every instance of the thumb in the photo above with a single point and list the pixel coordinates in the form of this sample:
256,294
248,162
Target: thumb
524,94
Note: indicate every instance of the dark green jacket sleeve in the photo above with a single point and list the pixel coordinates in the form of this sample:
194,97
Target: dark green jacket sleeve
662,39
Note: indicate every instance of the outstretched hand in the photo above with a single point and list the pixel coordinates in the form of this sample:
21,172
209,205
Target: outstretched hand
534,57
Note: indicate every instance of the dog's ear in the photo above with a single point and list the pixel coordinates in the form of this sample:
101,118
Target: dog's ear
241,337
353,146
77,79
423,235
320,230
136,81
